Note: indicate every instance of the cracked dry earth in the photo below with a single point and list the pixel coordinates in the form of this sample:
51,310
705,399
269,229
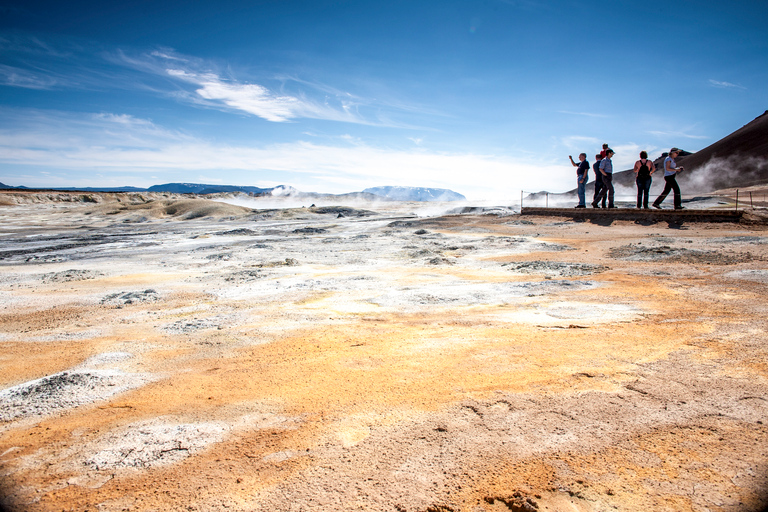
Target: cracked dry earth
329,359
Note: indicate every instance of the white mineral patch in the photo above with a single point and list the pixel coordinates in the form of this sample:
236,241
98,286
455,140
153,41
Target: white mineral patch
474,294
64,390
106,358
561,312
152,443
758,275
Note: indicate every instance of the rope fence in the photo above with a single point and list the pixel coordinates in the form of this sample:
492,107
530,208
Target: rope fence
546,199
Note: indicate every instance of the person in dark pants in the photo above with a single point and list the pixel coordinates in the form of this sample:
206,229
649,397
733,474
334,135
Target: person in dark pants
606,168
582,175
643,171
670,172
598,178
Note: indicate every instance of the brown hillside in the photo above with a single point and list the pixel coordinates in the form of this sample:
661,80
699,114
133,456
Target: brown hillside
749,140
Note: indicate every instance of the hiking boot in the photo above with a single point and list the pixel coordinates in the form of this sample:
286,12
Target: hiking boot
679,208
580,206
657,206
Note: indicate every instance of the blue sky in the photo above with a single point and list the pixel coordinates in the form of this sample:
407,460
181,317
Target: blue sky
486,98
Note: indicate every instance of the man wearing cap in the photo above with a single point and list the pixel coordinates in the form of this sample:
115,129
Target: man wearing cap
670,183
598,177
606,169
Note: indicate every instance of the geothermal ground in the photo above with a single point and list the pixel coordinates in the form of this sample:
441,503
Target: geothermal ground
176,354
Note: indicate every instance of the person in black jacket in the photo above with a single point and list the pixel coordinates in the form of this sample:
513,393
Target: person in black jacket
644,169
582,176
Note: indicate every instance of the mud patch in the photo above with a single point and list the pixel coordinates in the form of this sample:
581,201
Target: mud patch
69,276
641,252
555,268
195,324
309,231
124,298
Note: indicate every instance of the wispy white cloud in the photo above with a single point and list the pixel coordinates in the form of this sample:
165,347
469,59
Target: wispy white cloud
585,114
16,77
36,64
725,85
578,142
124,145
251,98
677,135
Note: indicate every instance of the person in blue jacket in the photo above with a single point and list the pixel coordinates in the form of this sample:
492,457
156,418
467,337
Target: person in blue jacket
598,177
606,169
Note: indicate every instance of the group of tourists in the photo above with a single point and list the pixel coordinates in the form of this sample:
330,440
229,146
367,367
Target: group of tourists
644,169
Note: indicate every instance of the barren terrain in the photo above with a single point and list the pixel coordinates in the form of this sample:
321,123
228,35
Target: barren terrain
164,353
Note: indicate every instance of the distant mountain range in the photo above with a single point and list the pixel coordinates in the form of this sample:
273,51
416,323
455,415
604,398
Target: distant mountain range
416,194
202,189
371,194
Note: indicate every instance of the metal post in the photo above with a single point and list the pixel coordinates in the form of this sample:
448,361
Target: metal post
737,199
546,202
750,200
521,201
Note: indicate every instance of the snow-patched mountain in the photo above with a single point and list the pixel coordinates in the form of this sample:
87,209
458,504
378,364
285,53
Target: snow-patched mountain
200,188
284,191
416,194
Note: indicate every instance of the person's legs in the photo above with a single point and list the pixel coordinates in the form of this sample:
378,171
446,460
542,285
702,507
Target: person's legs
665,192
646,190
581,191
598,188
640,190
609,185
676,189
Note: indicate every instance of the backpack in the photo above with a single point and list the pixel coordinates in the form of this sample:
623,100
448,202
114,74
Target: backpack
644,169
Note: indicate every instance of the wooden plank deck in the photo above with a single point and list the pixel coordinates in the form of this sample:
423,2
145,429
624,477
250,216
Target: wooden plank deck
652,215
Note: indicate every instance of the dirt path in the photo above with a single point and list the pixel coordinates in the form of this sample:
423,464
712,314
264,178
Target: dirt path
314,359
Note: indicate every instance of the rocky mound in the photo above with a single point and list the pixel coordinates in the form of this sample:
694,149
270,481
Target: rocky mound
185,209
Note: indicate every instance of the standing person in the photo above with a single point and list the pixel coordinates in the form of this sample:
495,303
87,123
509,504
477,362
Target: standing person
644,169
603,152
598,178
582,175
606,168
670,171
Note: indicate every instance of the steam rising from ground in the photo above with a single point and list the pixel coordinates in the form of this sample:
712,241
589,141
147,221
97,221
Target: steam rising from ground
720,173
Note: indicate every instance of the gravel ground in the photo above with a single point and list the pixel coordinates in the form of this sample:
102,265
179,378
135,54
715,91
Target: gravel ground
162,354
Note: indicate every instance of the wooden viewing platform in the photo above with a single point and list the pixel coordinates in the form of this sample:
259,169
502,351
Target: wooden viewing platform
651,215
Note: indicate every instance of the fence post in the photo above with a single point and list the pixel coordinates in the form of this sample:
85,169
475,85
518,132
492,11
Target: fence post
737,199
